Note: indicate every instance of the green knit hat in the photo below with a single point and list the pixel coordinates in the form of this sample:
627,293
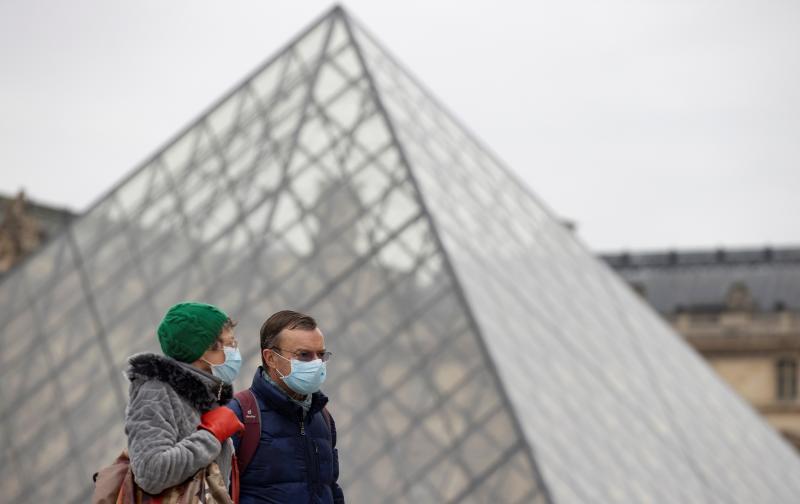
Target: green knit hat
189,329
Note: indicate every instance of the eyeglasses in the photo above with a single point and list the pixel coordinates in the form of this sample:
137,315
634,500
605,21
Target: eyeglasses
233,343
306,355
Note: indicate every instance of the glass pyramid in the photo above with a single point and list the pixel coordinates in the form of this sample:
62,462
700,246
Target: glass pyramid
482,354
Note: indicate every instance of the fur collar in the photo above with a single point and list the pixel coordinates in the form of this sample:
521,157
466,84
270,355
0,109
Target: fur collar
200,389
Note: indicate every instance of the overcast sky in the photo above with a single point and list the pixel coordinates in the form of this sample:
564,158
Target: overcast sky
652,124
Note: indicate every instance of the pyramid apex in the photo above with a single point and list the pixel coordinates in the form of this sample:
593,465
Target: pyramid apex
337,8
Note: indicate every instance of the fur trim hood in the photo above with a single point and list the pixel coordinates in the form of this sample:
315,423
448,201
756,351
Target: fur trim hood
200,389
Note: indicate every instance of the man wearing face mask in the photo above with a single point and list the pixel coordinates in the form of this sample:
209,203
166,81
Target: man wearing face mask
293,458
174,420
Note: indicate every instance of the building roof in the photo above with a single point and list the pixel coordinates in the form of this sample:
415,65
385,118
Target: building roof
702,280
25,226
51,218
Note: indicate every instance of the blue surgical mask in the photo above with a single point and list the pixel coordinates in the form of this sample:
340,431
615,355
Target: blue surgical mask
228,370
305,377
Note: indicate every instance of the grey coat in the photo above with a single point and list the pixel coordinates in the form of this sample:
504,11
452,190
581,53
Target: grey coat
166,400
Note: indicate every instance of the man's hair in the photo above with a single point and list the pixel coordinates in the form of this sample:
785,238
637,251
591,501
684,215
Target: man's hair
285,319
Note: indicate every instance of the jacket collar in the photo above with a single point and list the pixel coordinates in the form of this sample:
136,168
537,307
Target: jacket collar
277,399
200,389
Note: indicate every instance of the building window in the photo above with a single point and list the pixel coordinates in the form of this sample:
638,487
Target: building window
787,379
739,298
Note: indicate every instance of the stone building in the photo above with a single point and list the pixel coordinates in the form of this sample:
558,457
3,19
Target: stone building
25,226
740,309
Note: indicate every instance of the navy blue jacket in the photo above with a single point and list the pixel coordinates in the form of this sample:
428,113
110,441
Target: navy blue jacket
296,460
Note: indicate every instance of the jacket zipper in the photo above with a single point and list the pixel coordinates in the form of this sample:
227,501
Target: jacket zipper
305,440
317,464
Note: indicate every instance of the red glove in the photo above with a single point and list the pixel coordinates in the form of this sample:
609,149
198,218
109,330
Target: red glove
221,422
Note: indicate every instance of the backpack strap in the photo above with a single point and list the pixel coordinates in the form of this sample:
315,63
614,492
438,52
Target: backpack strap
328,420
251,418
235,484
327,416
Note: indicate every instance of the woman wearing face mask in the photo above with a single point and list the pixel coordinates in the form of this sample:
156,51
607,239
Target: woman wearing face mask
174,422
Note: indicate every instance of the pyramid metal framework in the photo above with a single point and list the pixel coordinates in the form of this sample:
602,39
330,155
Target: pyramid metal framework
482,354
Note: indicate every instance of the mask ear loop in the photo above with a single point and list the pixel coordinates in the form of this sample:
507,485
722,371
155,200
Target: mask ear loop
213,365
219,392
284,358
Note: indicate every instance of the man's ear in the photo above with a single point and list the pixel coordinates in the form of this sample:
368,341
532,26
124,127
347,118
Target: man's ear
266,354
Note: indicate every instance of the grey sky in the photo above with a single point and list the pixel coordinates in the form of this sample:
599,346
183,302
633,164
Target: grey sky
651,123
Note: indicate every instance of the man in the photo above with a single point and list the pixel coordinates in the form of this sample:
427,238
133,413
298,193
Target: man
295,458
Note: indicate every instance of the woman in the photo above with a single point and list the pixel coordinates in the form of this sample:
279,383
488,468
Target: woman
174,422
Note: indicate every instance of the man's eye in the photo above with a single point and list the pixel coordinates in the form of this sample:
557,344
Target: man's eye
304,355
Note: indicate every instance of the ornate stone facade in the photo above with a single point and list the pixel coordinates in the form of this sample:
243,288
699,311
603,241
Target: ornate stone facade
741,311
25,226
